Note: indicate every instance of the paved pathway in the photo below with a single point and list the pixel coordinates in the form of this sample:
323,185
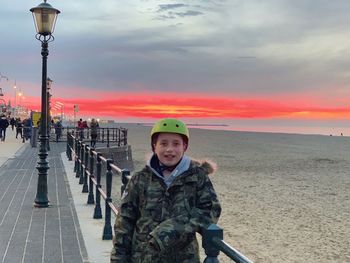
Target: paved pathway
29,234
10,146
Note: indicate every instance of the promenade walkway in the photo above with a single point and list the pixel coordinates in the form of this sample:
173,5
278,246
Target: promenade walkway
53,234
10,146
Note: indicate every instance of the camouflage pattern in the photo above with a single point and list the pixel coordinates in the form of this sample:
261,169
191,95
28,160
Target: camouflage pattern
157,224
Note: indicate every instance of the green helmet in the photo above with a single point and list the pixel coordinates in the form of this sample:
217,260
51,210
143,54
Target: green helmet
172,126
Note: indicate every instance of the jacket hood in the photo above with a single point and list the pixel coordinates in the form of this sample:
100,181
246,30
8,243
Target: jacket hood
207,165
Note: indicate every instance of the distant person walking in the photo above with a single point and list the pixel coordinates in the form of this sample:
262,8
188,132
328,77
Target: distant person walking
19,128
27,126
4,123
12,123
80,129
58,130
94,131
80,123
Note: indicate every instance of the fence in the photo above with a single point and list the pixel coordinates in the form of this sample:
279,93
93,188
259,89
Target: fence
88,168
108,135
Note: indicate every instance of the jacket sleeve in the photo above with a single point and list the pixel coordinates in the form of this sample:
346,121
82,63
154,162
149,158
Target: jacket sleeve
179,231
125,224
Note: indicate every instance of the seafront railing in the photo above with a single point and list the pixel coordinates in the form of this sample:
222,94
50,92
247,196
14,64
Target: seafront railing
107,135
88,166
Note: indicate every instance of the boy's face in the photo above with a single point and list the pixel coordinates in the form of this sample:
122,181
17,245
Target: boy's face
169,148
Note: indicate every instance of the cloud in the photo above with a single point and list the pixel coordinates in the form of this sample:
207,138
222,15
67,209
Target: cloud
166,7
187,13
167,13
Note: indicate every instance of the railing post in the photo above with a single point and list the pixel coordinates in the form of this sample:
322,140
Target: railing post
81,174
125,132
97,211
70,146
212,252
81,134
75,154
107,230
107,137
119,138
86,169
67,147
103,135
113,135
77,158
125,180
98,135
91,185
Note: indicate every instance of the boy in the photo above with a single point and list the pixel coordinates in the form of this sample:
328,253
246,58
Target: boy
166,203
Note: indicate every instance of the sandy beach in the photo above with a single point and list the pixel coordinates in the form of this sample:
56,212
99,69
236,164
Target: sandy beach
285,197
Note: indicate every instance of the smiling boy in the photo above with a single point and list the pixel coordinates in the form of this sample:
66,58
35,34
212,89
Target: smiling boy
166,203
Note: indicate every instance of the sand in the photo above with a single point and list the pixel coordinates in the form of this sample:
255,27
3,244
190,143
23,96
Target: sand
285,197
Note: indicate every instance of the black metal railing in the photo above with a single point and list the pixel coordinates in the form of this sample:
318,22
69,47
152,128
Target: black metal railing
88,165
106,135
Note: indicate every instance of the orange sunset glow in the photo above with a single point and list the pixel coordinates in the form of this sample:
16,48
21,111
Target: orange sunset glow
189,106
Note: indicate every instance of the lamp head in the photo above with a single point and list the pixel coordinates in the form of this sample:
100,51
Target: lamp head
44,18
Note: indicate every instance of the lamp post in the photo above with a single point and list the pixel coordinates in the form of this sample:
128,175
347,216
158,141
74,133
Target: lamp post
44,18
48,108
1,94
18,103
15,89
48,88
20,94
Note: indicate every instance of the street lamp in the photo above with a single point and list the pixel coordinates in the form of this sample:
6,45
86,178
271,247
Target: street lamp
44,18
48,108
15,88
48,88
2,77
20,94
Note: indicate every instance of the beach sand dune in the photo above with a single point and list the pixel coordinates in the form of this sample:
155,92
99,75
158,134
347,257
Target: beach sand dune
285,197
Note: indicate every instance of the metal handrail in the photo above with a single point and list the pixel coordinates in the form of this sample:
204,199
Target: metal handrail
109,135
87,160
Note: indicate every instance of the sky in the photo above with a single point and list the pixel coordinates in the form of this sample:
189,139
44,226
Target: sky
272,65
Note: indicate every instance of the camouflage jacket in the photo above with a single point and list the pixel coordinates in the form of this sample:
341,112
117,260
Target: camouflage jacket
157,224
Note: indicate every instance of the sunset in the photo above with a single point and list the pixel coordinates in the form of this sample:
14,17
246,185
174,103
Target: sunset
202,107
